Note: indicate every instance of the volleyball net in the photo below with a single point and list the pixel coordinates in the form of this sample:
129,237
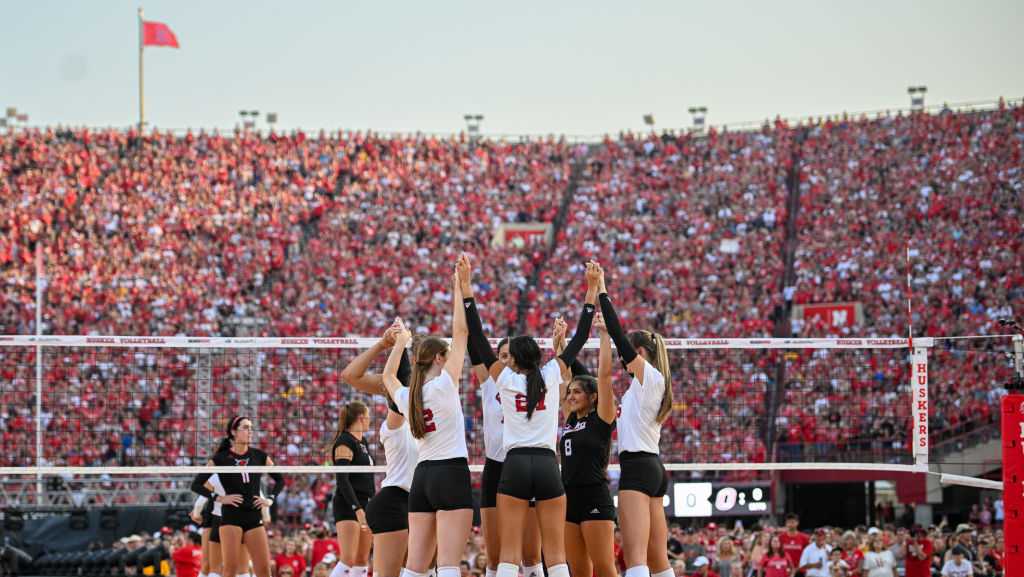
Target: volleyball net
78,408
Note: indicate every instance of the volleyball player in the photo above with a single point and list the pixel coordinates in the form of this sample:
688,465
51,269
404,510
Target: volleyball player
352,491
589,408
242,505
530,395
387,513
206,513
494,451
643,482
440,498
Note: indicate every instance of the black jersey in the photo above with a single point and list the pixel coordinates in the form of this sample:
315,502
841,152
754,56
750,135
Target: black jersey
245,484
362,483
584,449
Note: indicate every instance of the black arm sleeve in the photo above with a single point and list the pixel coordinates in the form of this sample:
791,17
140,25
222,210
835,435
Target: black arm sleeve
611,320
278,480
578,369
474,359
579,338
404,369
343,487
477,340
199,485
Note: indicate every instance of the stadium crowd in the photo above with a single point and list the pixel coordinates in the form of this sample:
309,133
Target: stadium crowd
708,550
334,235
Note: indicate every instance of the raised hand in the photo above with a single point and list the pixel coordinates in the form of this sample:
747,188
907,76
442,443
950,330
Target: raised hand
558,330
388,340
593,274
402,334
601,288
464,270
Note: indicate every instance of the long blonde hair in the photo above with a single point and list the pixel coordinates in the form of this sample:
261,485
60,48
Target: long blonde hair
654,344
425,351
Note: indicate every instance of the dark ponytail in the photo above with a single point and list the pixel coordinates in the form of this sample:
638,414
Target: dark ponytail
526,354
348,415
225,443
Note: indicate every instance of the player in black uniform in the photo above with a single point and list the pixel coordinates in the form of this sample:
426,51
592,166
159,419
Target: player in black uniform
352,491
241,512
589,409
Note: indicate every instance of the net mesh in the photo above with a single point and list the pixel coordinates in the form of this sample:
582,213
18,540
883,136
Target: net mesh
110,406
741,408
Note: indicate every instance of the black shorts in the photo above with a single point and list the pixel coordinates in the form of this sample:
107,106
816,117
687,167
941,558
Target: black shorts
531,473
643,472
489,480
214,526
247,519
345,512
440,486
589,503
388,511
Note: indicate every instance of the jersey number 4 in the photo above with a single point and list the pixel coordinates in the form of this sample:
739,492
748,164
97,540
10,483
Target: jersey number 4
428,421
521,405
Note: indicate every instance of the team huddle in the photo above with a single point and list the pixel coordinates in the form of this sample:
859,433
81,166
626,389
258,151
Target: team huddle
532,409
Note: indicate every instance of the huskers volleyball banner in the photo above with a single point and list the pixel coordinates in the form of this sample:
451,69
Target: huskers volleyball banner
919,386
1013,481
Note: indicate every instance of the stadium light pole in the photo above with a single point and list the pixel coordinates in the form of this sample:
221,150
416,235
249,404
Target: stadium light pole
271,119
917,97
9,118
252,115
473,125
699,114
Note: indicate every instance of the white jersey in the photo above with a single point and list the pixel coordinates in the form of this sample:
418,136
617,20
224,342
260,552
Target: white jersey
494,424
218,489
639,429
541,429
442,412
400,455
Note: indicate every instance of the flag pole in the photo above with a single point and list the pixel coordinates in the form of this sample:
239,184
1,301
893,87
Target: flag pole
142,102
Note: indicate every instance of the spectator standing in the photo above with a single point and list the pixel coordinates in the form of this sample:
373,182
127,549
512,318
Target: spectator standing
814,558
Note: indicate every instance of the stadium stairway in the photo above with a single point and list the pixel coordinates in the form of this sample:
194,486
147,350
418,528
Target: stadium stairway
556,228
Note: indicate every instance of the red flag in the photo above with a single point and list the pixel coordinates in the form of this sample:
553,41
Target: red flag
158,34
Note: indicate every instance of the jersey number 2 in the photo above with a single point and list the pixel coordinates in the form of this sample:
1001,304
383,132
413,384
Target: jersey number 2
428,421
521,404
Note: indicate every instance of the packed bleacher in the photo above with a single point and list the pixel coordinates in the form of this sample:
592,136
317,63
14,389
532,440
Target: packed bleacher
334,235
695,550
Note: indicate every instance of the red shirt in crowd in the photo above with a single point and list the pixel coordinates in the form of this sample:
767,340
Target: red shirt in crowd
188,560
296,561
775,566
794,546
854,559
321,547
920,567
